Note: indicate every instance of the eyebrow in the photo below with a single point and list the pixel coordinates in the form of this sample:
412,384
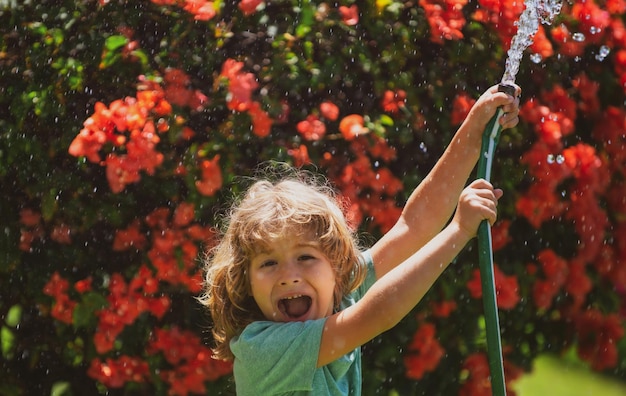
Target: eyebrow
311,244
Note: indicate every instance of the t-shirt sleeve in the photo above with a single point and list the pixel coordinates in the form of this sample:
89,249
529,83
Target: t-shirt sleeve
273,358
370,278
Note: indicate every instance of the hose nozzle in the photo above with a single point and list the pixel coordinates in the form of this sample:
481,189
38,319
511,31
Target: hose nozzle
507,89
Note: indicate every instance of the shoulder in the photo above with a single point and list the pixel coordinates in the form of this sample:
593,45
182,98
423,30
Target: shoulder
275,336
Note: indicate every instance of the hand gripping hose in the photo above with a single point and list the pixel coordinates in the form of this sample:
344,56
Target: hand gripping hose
485,256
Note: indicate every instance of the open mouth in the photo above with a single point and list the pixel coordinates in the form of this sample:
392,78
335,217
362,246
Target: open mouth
295,307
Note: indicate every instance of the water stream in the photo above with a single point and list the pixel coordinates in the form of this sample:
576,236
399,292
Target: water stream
527,25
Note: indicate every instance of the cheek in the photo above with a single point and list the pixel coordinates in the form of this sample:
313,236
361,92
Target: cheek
259,284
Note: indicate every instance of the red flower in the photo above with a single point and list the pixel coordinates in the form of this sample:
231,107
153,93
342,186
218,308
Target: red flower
352,126
588,91
88,143
29,217
193,362
445,18
329,111
63,308
567,45
127,124
380,149
393,101
610,132
424,352
311,128
598,337
176,87
502,15
541,44
240,86
61,233
555,274
586,166
443,309
56,286
385,182
560,102
538,205
116,373
129,237
84,285
211,177
202,10
477,382
249,7
261,121
384,211
300,155
349,15
507,288
184,214
500,234
461,107
592,20
578,283
121,170
126,303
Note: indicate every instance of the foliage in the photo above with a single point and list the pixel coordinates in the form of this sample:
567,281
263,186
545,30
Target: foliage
126,128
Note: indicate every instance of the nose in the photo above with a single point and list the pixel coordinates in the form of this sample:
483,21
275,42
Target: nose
290,274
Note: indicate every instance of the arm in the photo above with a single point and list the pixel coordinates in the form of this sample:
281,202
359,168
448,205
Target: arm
431,204
398,291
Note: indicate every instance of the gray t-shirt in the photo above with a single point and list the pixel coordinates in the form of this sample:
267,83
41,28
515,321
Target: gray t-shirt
280,358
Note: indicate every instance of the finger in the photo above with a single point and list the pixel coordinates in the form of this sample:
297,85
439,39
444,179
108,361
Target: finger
486,209
509,120
481,183
512,107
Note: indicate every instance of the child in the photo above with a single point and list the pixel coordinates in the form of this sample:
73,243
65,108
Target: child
293,298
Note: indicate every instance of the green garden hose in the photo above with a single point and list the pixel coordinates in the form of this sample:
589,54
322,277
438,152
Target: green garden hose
485,256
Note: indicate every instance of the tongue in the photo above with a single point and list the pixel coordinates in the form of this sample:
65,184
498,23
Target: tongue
296,307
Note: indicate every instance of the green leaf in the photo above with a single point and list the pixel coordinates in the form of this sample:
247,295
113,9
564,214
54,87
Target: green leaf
60,389
143,58
386,120
14,315
114,42
307,17
49,204
84,311
7,340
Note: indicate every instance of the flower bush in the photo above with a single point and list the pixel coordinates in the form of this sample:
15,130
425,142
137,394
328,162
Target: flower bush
127,128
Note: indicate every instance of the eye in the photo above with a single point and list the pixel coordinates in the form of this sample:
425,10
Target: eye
268,263
305,257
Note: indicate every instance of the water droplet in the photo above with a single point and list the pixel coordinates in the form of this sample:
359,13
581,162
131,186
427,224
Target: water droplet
560,159
603,53
578,37
550,159
536,58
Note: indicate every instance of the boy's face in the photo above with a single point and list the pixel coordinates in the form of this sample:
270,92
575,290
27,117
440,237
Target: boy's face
293,280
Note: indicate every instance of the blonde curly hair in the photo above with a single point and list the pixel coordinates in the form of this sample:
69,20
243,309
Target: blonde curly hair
268,210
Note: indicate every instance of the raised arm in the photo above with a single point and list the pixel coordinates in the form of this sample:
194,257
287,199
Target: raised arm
398,291
432,203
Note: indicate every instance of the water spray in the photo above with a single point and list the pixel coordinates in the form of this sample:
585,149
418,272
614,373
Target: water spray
535,11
